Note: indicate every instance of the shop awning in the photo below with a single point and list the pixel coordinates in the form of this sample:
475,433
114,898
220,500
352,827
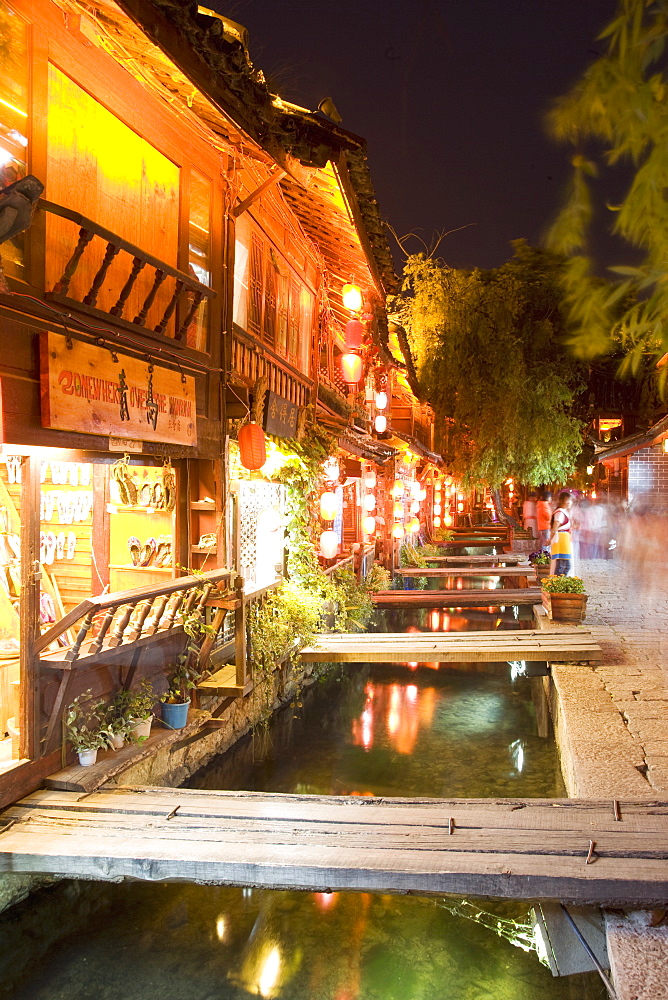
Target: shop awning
618,449
419,448
367,447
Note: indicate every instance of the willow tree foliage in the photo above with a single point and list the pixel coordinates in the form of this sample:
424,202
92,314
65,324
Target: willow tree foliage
487,350
620,109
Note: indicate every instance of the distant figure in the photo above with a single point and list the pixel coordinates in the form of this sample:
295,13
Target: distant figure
543,517
561,540
529,515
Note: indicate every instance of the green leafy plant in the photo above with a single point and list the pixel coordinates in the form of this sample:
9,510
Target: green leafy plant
135,705
186,671
442,535
542,559
563,585
83,723
378,578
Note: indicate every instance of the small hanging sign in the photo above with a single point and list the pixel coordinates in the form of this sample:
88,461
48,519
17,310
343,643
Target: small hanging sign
280,416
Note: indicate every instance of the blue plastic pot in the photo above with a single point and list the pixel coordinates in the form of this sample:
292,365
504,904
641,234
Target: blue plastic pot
175,716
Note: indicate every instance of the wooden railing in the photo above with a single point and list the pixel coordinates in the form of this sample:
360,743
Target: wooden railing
253,360
177,282
116,628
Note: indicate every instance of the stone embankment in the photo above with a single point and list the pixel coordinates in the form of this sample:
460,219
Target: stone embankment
611,722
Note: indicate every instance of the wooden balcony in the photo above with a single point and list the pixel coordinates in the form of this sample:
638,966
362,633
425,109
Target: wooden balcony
95,271
251,360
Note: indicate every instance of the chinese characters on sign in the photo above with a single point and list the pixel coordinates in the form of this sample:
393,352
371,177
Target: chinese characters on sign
280,416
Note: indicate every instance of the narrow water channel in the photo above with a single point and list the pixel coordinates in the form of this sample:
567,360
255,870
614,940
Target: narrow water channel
367,730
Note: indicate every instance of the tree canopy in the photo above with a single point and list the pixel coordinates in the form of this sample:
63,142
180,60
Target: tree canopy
488,356
619,109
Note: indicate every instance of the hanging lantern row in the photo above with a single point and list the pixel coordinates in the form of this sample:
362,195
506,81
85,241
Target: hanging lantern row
329,506
329,544
351,366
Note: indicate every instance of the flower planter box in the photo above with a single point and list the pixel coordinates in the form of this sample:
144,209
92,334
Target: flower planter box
565,607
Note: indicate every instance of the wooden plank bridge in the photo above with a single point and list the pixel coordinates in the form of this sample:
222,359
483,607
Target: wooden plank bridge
573,850
453,598
526,572
566,646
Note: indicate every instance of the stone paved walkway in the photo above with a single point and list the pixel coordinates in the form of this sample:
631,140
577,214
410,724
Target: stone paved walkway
614,716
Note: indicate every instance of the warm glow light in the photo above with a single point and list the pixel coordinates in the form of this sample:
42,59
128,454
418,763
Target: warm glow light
221,928
437,522
590,468
351,366
329,506
460,497
269,974
413,525
435,619
331,469
369,502
369,525
437,508
422,495
398,489
352,297
415,506
329,544
460,507
381,400
380,423
370,479
593,494
415,488
398,531
398,509
447,520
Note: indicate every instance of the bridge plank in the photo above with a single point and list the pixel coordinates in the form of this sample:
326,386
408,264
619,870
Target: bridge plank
466,571
453,598
319,842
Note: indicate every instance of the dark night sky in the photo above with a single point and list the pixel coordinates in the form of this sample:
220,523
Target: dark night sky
450,96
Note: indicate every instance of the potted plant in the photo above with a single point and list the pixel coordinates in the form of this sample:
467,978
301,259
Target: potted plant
136,709
116,728
564,598
83,728
541,563
176,701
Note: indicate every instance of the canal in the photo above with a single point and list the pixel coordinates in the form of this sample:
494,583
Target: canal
367,730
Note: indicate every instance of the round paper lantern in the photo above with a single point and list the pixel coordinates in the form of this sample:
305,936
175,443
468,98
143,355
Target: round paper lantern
352,297
398,531
331,469
398,508
381,400
460,507
252,447
437,522
437,508
329,544
369,525
351,365
415,506
422,495
380,423
414,487
354,334
329,506
398,489
369,502
413,525
447,520
370,479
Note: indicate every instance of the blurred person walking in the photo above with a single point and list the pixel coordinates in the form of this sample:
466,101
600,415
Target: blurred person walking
529,515
544,517
561,539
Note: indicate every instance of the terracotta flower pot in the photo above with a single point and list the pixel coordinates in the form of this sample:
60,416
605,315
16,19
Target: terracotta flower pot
565,607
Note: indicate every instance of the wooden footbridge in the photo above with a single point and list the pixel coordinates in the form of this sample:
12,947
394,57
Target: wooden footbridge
613,853
452,598
566,646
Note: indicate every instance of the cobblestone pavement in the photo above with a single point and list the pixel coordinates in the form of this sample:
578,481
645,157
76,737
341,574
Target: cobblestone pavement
612,718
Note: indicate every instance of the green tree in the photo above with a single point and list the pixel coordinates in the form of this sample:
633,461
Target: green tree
489,360
619,110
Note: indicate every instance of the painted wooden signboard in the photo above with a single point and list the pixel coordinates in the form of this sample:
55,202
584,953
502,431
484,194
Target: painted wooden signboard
280,416
84,390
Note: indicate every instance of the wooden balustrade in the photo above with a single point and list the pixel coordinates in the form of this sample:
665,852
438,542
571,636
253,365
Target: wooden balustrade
183,285
252,363
116,628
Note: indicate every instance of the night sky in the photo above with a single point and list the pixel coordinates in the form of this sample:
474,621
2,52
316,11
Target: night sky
450,96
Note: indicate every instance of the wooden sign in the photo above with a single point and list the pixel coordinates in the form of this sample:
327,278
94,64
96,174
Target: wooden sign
280,416
84,390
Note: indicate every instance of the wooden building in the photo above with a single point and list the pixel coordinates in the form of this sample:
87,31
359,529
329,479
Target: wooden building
186,258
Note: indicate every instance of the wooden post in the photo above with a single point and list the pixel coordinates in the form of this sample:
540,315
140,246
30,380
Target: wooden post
29,607
240,652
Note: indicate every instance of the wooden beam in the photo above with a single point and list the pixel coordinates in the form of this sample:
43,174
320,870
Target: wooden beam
457,598
274,178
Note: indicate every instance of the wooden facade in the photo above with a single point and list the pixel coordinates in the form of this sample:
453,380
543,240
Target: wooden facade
188,251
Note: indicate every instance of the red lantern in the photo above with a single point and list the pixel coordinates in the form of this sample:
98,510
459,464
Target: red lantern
352,368
252,447
354,334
